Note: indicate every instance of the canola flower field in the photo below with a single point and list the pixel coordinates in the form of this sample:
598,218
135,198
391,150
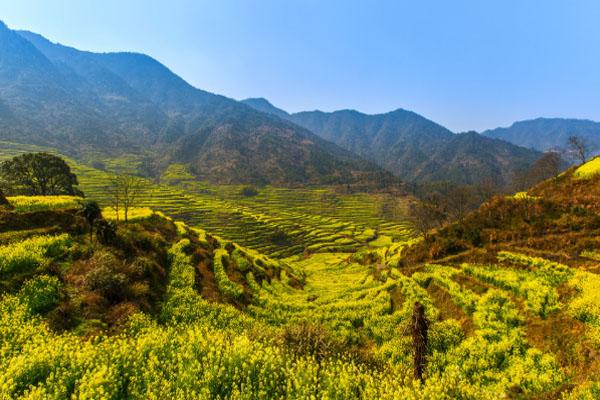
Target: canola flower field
198,349
42,203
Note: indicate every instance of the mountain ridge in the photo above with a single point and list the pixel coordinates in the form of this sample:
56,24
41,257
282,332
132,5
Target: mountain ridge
411,146
118,103
546,133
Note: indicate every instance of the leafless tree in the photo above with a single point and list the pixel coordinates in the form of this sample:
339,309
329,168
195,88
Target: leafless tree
124,191
114,192
578,148
426,215
460,200
546,167
487,188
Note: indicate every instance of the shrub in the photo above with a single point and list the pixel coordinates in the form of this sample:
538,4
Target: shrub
309,339
105,277
106,232
242,263
249,191
445,335
552,272
541,297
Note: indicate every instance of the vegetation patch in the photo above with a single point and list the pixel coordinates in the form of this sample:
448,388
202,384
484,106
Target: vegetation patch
43,203
588,170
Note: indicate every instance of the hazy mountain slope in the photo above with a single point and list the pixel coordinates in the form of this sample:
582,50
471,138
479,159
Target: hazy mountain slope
45,103
82,102
547,133
411,146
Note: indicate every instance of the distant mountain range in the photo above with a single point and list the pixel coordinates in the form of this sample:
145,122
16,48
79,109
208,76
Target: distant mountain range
411,146
548,133
82,102
86,103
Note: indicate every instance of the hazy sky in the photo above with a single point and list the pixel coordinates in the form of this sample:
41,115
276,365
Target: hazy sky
465,64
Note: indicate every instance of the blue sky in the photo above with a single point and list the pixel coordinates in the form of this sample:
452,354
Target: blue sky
464,64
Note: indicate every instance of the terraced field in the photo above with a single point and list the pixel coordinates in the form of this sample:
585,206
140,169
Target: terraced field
278,222
234,323
492,328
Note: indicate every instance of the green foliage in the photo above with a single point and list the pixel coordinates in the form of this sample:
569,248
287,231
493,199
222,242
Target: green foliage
226,286
249,191
541,298
30,254
552,272
38,174
463,297
41,293
592,255
4,201
241,262
107,278
133,214
320,325
586,305
106,231
199,349
91,212
176,173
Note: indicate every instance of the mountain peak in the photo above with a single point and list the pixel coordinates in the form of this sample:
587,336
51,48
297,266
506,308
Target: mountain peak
258,100
263,105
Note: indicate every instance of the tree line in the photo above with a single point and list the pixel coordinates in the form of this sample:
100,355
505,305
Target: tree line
440,203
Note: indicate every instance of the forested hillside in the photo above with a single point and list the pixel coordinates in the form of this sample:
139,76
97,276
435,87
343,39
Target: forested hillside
413,147
92,105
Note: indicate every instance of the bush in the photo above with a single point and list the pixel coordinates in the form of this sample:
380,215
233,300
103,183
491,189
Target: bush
106,232
41,293
99,165
105,278
308,339
242,263
249,191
